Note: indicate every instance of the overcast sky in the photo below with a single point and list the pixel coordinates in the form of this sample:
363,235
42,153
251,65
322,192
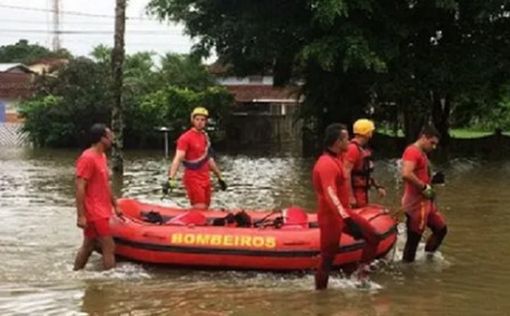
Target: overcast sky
32,20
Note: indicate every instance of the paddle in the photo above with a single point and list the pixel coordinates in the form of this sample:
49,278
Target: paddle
263,219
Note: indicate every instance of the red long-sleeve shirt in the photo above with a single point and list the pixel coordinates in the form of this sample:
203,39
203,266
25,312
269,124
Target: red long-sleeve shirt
330,188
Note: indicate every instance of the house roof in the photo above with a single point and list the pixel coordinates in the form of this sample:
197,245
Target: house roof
263,93
11,67
48,65
15,85
221,69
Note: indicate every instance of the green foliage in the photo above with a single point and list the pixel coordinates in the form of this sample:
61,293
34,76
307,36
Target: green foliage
494,117
40,115
23,52
171,107
65,106
185,71
425,58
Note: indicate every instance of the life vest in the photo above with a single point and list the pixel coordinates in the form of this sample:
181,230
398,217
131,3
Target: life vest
196,164
360,176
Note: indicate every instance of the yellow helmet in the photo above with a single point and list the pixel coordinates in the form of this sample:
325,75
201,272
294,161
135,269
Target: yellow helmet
363,127
199,111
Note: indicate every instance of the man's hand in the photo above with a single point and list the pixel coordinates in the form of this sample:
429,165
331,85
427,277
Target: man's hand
223,185
352,201
169,185
81,222
381,191
118,211
428,192
353,228
437,178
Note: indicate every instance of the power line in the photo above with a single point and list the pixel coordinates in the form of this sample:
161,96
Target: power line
78,13
134,42
21,21
85,32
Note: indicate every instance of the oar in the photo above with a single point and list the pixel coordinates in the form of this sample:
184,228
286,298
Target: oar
263,219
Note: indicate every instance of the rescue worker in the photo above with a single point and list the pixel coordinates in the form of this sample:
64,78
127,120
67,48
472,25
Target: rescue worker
94,199
418,199
334,215
195,153
358,165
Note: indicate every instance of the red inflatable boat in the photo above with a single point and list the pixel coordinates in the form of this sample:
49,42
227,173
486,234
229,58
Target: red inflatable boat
282,240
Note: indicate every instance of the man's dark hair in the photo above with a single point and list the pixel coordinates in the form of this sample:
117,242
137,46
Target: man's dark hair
332,133
97,131
429,131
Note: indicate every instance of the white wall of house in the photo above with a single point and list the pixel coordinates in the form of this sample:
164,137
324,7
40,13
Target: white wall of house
250,80
39,68
11,104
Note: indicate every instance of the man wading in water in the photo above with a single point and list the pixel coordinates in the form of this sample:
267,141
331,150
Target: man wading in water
358,165
334,215
194,151
418,200
94,199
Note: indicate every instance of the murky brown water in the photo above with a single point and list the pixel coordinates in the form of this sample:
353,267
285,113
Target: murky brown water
38,240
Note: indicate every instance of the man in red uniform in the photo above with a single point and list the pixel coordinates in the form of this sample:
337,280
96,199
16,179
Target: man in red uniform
418,200
94,199
358,165
194,152
330,187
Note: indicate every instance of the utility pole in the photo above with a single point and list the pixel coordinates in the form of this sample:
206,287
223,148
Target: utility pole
56,25
117,73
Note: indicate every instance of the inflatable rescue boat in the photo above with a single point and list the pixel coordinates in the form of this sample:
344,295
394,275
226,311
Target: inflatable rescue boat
279,240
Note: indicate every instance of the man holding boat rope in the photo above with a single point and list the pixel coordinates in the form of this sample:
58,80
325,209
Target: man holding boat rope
334,215
418,201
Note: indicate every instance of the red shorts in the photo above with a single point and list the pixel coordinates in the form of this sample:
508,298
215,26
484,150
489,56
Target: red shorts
97,228
424,214
198,192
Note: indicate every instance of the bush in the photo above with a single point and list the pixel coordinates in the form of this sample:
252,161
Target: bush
64,107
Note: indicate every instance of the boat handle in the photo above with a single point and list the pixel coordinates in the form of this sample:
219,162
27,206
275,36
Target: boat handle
296,243
150,235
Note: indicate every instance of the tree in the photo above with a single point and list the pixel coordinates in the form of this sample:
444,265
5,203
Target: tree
335,46
423,56
23,52
117,81
185,71
64,107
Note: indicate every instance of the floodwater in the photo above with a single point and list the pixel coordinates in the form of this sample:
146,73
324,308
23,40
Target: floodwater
38,241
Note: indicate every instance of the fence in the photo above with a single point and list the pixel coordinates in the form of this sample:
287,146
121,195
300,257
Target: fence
11,135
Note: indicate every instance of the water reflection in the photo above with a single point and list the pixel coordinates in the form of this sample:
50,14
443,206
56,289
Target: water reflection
38,241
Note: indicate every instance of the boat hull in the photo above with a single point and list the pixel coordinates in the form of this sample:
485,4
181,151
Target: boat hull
267,247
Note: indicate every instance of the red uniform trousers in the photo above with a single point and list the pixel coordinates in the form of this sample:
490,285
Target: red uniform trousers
421,213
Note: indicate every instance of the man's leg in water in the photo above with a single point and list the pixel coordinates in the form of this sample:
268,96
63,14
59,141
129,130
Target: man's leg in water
437,223
329,238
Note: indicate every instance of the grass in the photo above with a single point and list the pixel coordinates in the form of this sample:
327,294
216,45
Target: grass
464,133
468,133
390,132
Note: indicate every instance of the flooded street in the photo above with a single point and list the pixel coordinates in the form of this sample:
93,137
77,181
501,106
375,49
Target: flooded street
38,241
